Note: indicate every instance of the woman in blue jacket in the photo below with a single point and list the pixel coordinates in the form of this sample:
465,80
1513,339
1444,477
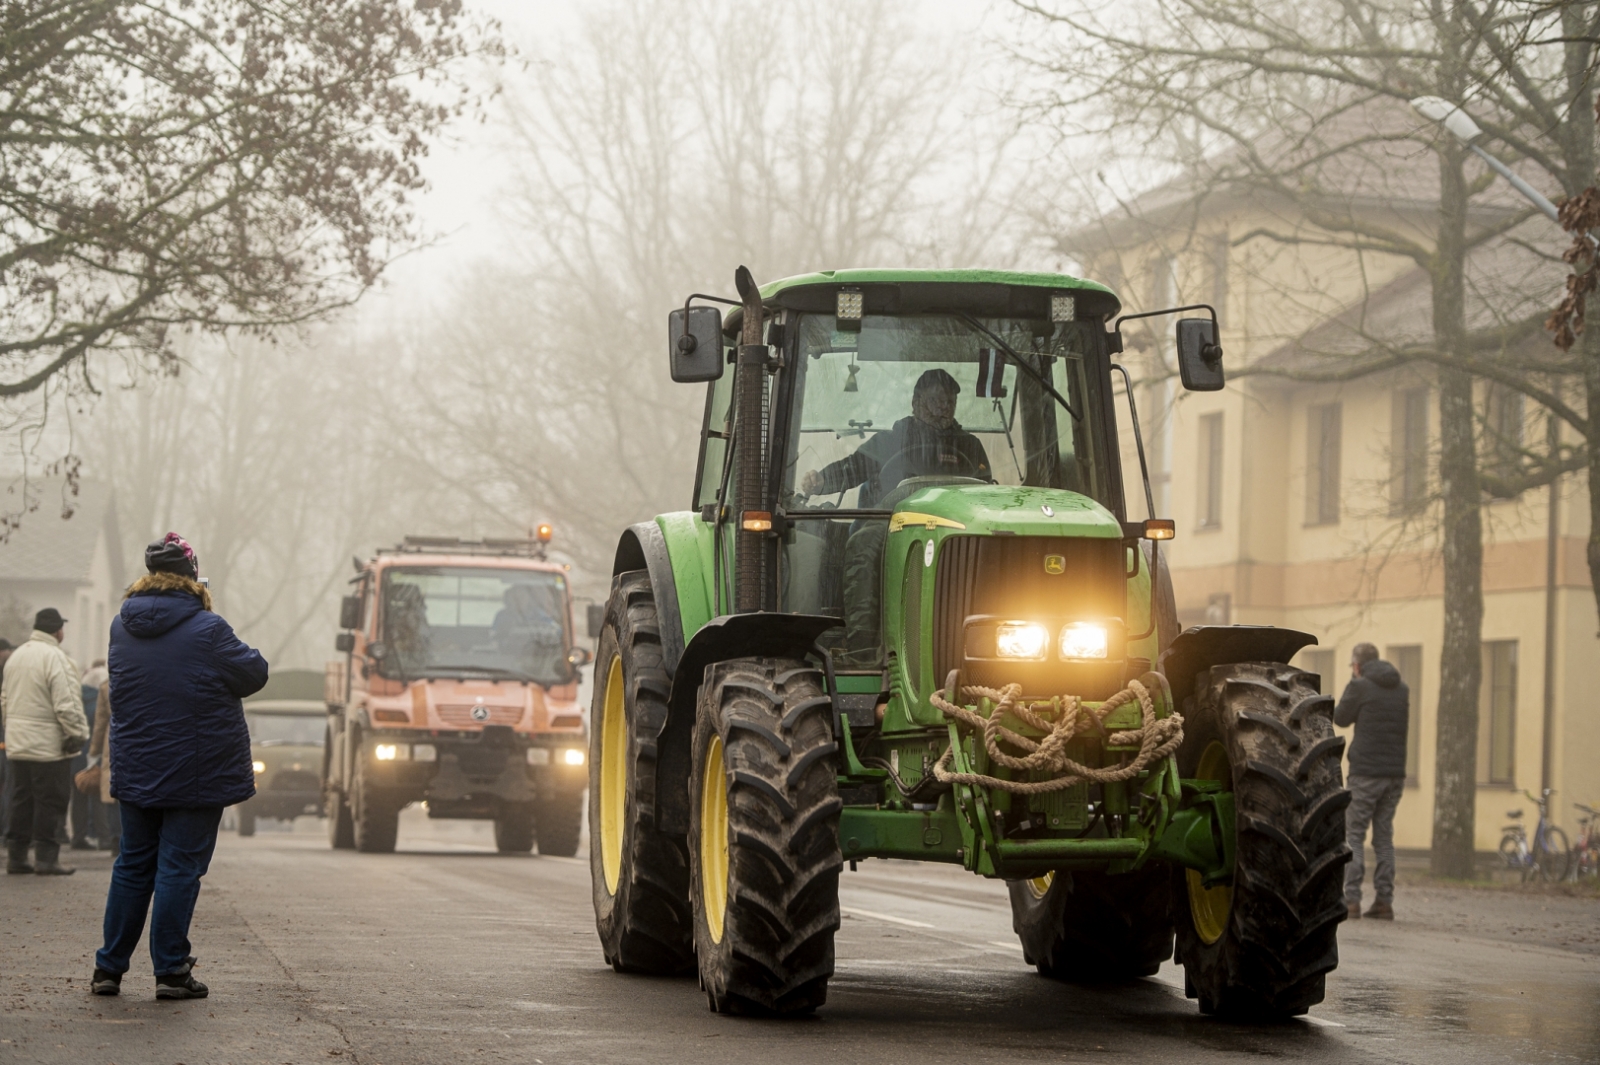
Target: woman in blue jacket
182,752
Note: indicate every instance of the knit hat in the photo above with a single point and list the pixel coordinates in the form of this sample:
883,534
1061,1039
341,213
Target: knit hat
172,554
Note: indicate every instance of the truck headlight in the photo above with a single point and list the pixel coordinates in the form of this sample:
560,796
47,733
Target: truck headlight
1084,639
259,766
386,752
572,756
1024,640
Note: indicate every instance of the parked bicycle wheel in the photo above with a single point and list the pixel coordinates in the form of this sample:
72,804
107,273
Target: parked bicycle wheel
1552,854
1511,855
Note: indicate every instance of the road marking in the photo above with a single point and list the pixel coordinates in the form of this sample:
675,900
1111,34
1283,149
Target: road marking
908,922
1321,1022
1003,943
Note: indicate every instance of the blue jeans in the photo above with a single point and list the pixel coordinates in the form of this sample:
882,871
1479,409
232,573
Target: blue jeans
164,853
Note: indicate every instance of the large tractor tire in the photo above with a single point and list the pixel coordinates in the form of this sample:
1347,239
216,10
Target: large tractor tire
559,821
640,875
1089,927
1262,947
513,829
764,837
375,817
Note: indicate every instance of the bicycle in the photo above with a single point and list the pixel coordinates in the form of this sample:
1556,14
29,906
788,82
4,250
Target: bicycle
1586,852
1547,856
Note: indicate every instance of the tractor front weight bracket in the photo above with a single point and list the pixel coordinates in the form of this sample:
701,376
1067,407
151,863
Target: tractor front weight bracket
1200,834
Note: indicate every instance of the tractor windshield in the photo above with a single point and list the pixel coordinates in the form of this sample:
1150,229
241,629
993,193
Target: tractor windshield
454,620
905,401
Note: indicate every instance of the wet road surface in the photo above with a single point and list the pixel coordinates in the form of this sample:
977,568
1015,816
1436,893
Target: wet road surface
445,952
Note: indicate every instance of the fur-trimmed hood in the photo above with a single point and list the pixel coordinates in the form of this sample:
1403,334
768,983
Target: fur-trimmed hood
159,602
170,582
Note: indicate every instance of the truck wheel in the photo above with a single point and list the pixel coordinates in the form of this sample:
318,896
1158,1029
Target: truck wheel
341,826
1261,947
764,837
376,819
513,829
559,821
1089,927
247,821
640,875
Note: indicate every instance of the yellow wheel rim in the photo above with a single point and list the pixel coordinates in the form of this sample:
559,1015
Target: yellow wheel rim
613,775
1040,885
1209,907
714,840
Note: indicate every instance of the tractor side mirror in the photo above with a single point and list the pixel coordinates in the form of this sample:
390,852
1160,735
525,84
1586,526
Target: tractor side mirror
694,344
345,642
597,619
350,612
1199,355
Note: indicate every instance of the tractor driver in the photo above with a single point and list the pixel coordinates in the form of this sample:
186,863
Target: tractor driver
929,443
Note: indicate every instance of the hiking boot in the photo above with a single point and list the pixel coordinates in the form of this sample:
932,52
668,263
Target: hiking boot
180,985
104,983
1353,912
47,863
17,859
1381,911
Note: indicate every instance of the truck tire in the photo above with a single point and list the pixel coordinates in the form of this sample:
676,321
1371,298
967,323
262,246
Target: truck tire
247,821
376,818
1091,927
1262,947
513,829
558,819
640,875
341,826
764,837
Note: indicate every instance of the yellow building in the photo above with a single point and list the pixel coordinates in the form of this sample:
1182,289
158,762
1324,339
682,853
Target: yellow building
1309,504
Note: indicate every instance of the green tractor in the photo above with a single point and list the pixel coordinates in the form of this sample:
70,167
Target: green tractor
908,617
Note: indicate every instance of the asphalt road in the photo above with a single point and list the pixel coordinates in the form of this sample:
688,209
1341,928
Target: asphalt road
445,952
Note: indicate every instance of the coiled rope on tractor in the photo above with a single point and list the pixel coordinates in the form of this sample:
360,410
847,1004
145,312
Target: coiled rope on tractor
1068,718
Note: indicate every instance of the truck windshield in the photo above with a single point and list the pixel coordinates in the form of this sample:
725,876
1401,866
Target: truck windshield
908,401
453,620
270,729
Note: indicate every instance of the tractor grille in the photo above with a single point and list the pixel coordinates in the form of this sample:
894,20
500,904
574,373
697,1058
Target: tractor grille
295,780
459,715
1007,575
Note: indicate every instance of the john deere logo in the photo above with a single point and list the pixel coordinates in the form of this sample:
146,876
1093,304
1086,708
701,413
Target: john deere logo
1055,565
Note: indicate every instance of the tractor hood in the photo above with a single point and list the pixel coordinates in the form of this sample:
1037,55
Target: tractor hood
987,509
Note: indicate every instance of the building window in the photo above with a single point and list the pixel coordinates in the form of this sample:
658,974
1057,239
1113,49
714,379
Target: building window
1210,471
1217,251
1320,661
1322,465
1497,713
1408,661
1505,443
1408,452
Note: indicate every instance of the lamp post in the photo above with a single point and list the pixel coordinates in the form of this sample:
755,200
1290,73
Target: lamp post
1465,130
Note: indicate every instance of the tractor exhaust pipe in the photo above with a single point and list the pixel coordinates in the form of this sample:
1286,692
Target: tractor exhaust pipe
749,390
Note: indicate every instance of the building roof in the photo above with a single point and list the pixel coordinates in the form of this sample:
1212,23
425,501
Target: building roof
56,541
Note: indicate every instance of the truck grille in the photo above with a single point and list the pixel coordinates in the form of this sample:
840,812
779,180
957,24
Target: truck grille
1007,575
295,780
460,715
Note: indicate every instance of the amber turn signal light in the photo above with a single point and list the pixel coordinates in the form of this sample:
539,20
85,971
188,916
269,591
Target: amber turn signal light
1160,529
755,521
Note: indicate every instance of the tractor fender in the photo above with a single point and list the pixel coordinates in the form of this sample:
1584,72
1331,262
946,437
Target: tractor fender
644,547
1197,649
761,634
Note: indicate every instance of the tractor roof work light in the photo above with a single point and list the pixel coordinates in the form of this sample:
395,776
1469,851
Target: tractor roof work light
1063,308
848,305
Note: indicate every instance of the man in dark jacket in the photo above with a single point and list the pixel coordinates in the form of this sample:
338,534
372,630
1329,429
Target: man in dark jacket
182,752
1377,703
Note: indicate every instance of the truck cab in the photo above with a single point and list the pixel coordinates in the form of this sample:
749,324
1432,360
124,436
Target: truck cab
458,690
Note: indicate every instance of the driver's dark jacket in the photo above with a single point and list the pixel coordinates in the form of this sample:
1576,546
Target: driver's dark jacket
911,449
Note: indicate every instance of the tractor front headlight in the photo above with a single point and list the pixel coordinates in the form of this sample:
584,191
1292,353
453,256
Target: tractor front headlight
1022,640
1084,640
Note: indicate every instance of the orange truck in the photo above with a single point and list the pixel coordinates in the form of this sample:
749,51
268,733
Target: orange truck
458,690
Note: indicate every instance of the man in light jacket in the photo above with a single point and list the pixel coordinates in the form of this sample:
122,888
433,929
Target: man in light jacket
42,703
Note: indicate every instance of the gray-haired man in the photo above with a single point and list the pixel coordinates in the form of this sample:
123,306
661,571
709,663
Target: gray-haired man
1377,703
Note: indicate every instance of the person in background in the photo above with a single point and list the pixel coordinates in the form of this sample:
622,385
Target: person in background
99,757
6,648
181,750
1377,703
88,822
42,702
